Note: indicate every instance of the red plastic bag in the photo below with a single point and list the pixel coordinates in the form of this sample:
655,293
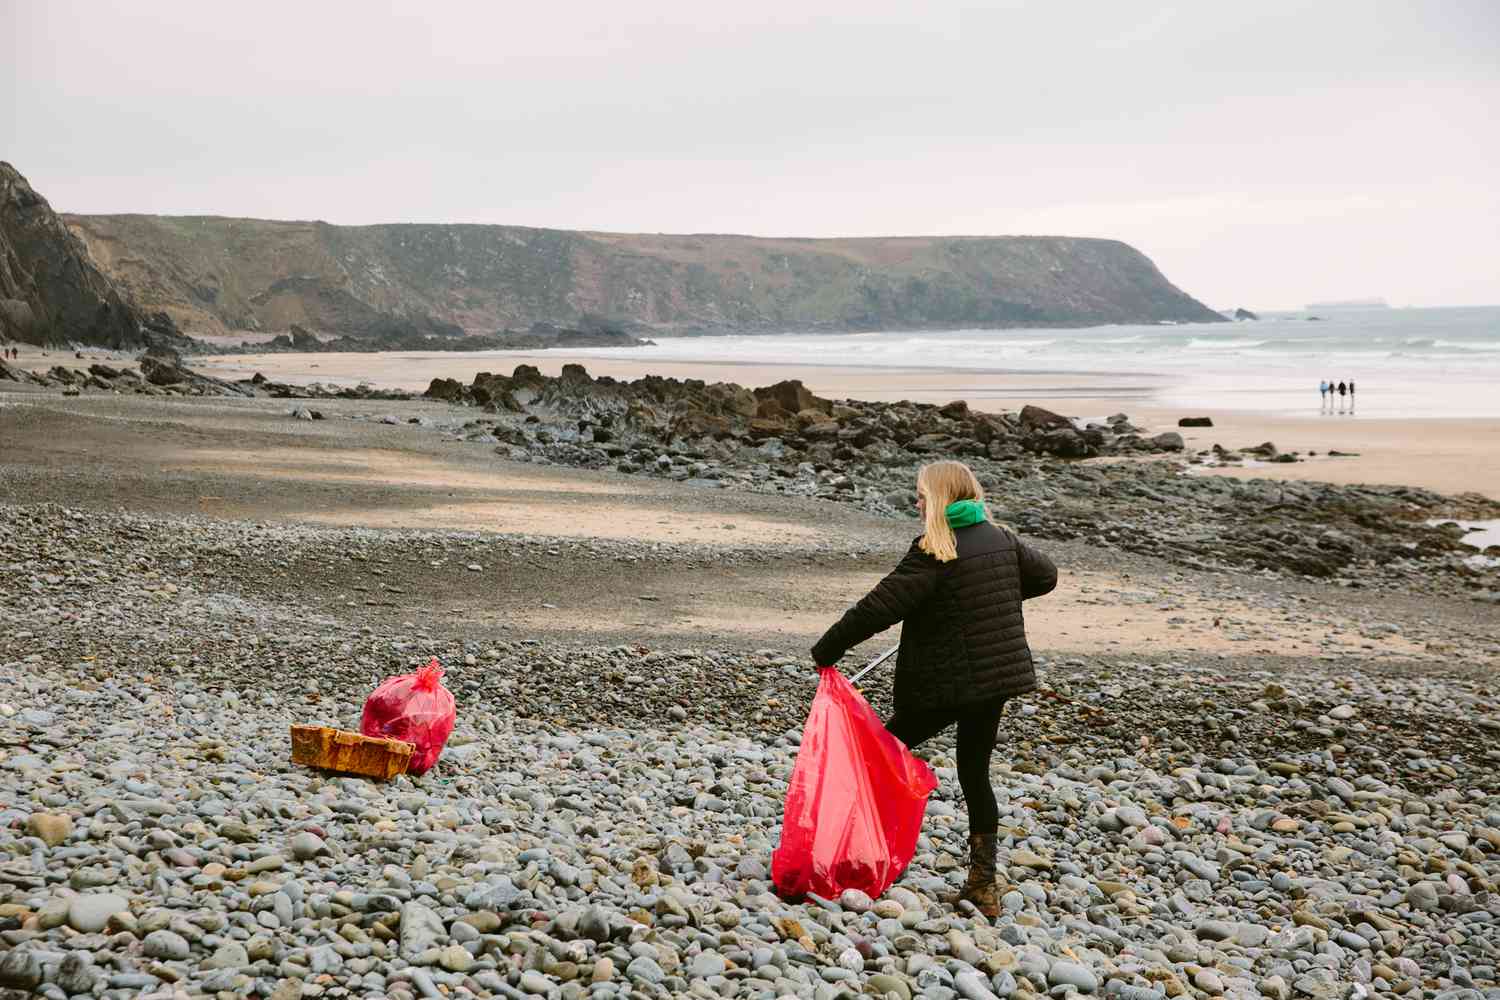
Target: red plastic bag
855,801
414,708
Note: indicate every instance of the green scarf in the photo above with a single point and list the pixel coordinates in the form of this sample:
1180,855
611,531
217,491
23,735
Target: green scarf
962,513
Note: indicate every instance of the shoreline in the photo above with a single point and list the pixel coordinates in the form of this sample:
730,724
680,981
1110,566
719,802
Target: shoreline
1447,454
1450,455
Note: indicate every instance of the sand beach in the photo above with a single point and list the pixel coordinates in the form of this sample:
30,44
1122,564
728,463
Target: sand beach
1258,678
1451,455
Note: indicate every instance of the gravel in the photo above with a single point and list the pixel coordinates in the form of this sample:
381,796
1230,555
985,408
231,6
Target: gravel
1176,827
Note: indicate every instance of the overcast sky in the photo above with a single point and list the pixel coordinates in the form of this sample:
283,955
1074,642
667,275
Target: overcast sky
1264,154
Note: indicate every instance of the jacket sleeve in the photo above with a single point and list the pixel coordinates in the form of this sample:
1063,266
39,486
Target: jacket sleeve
1038,574
903,590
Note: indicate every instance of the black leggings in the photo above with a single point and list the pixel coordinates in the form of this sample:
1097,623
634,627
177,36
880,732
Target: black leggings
978,727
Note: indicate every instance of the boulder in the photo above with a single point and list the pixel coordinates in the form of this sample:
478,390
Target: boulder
1195,422
1168,441
821,430
1064,443
449,390
159,371
766,427
792,396
734,400
304,340
1034,418
528,376
933,444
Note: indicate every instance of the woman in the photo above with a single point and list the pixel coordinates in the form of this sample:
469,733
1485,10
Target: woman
963,645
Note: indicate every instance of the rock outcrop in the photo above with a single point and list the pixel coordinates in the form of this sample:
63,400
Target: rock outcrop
784,419
51,293
784,439
215,275
162,372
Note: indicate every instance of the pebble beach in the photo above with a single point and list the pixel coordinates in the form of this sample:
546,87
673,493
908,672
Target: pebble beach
1267,781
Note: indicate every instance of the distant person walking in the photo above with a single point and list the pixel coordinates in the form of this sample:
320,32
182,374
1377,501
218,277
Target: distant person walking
1323,393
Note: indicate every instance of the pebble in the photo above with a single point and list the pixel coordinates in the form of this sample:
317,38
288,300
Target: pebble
593,849
306,846
168,946
52,828
1063,973
89,912
20,969
76,973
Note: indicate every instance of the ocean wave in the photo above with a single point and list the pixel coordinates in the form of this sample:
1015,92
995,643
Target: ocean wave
1432,346
1448,345
1213,343
976,343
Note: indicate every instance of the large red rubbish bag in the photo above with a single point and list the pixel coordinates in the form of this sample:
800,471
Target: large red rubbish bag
855,801
414,708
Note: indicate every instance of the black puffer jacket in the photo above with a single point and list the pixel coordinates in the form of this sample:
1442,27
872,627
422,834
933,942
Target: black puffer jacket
964,639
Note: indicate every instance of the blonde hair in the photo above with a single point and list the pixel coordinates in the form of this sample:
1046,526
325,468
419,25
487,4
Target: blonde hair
943,483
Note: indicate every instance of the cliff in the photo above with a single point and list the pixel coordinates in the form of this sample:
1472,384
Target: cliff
215,275
51,294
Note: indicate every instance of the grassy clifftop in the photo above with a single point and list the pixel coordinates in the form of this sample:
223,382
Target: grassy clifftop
216,274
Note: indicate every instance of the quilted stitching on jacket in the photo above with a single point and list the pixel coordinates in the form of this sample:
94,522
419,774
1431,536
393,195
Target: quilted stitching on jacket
964,637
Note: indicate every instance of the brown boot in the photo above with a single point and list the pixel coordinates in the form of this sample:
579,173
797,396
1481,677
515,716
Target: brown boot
980,887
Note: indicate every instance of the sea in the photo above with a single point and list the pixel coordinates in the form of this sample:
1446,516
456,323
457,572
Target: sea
1405,363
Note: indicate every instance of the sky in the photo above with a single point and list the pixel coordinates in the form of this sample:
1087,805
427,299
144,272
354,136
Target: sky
1264,155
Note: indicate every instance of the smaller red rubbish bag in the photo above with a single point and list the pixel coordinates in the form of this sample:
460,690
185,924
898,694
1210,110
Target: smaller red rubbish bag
416,709
855,801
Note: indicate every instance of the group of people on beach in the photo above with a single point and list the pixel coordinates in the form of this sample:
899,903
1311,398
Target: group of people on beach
1327,389
963,653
